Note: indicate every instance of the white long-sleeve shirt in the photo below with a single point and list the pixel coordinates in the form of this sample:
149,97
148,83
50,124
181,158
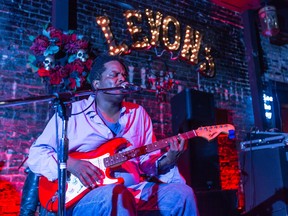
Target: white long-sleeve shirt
86,132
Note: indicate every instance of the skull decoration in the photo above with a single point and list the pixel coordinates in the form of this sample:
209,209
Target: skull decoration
49,62
82,55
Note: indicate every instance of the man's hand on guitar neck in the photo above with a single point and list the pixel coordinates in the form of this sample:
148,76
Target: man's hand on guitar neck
177,147
85,171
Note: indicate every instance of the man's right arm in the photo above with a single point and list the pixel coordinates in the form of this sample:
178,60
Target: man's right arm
42,158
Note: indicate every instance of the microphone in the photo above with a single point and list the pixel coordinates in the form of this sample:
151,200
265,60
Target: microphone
128,87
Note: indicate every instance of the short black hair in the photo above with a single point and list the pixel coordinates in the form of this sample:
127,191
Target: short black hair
98,66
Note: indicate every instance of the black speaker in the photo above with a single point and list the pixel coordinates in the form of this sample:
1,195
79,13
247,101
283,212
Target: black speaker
192,109
199,164
264,175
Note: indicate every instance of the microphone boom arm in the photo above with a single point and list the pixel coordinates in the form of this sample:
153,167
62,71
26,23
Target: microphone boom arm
125,88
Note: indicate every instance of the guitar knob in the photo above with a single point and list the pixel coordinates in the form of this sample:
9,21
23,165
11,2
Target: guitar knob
70,190
74,180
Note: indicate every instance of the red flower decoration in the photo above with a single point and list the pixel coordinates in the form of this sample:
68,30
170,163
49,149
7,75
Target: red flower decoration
72,83
56,35
63,68
55,78
43,72
75,46
40,44
76,65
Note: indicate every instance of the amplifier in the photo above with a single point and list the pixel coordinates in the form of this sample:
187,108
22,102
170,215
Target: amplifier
262,140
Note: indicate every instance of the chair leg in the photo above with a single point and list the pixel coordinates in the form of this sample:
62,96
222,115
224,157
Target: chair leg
30,199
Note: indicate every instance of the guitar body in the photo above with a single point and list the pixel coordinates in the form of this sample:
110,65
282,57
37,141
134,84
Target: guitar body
75,190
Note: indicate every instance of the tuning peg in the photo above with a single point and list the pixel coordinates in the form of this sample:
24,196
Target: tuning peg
231,134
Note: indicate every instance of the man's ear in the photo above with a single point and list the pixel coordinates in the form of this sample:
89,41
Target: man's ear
95,84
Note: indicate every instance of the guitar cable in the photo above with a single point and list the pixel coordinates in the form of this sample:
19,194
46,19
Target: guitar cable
52,200
88,107
84,109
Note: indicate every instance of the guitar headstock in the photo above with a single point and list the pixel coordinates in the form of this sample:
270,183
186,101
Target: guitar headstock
211,132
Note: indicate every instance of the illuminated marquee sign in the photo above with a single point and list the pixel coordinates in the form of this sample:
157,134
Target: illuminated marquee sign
189,51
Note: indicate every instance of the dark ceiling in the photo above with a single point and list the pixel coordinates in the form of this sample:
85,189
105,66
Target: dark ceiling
239,5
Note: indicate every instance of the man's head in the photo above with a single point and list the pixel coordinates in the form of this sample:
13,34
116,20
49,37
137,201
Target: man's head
107,71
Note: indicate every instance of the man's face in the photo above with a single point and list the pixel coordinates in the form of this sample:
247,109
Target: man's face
114,75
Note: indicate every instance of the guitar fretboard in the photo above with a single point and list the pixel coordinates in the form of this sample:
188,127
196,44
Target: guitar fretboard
119,158
207,132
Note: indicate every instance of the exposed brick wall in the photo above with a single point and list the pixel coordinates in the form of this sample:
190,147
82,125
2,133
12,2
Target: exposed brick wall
275,68
20,125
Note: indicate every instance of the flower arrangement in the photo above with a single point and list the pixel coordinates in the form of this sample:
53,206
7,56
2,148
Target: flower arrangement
60,58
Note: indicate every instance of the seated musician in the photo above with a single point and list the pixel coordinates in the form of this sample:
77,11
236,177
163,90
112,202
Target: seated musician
102,124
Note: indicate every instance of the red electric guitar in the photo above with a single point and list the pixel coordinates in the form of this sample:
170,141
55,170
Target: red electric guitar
105,157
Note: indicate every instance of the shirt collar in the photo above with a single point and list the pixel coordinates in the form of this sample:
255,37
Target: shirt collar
92,109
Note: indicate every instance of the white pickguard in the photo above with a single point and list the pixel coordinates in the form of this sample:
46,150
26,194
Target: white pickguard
74,185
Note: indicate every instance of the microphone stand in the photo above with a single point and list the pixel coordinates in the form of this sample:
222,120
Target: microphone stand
62,103
62,152
109,89
65,97
124,89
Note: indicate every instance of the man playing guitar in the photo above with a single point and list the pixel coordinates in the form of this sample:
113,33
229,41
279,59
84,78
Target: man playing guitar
109,184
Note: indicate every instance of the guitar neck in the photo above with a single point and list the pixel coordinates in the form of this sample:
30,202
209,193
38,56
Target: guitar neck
119,158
